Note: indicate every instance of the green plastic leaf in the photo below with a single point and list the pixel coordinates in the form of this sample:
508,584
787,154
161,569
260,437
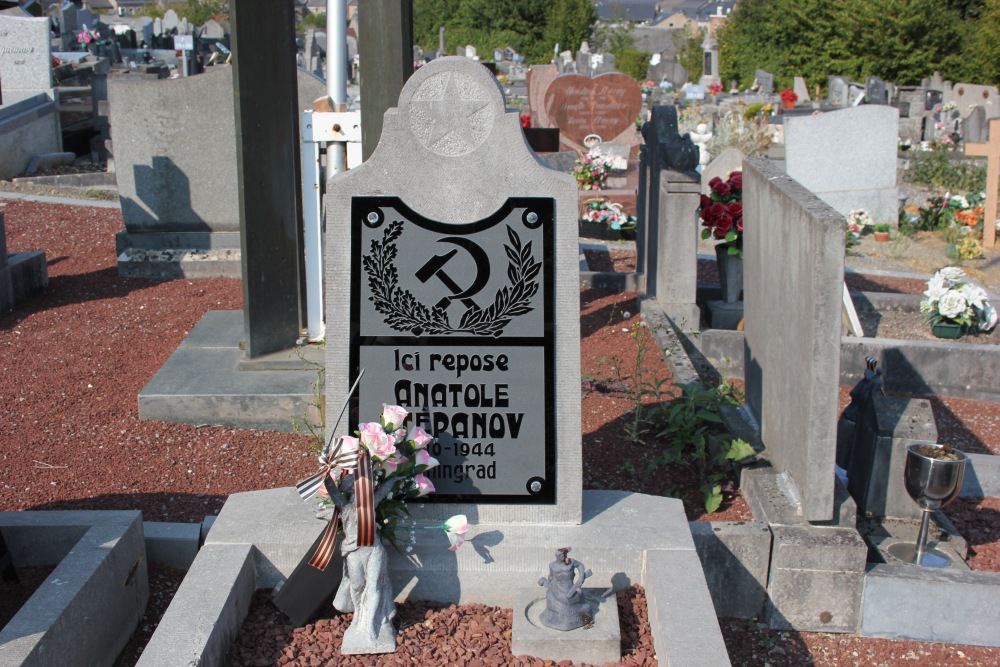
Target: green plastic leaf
713,498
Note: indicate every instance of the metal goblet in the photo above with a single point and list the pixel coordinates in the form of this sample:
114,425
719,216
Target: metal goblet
932,483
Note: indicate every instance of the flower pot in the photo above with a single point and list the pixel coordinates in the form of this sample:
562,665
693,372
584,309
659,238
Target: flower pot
947,330
881,237
787,104
730,273
595,230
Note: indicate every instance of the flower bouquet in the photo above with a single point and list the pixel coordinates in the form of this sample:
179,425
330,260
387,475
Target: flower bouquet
722,213
648,87
715,88
591,171
858,222
602,211
87,36
953,305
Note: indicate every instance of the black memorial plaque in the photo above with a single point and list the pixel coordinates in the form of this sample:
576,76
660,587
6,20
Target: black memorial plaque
454,322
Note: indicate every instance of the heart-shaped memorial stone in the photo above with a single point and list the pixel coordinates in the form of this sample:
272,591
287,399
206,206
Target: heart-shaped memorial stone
605,105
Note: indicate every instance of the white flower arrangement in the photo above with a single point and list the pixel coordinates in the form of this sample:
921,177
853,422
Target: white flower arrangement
950,298
858,219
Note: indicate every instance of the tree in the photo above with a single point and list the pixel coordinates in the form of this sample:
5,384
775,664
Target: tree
569,23
898,40
983,50
689,52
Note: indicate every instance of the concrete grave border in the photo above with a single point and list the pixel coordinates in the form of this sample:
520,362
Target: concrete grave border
94,599
260,536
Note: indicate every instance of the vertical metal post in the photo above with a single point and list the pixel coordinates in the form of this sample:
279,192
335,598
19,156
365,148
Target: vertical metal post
336,69
267,141
313,232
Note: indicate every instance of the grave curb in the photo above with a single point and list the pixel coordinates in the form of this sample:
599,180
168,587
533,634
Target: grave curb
90,605
234,562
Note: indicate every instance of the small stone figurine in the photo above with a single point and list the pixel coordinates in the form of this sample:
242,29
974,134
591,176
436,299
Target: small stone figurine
566,607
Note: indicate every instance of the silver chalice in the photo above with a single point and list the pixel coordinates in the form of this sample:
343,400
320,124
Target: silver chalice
932,482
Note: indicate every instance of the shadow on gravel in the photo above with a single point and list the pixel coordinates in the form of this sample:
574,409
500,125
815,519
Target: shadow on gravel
162,506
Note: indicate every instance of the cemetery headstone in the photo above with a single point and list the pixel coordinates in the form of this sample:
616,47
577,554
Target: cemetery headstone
933,98
801,89
498,55
694,92
606,105
838,91
974,126
875,90
470,52
486,277
170,21
158,26
25,58
584,62
721,166
793,284
968,95
539,78
847,158
765,80
213,30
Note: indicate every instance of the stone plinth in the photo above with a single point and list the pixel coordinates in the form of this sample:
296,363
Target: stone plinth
597,644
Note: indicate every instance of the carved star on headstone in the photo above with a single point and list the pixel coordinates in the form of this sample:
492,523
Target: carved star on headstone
451,114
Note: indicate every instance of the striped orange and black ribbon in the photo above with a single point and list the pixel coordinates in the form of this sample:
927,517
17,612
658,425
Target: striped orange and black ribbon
364,502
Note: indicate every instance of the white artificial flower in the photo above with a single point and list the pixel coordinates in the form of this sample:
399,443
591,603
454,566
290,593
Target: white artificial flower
952,304
951,273
935,287
974,295
987,318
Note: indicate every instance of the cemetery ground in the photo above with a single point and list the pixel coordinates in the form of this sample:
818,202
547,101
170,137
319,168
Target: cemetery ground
75,357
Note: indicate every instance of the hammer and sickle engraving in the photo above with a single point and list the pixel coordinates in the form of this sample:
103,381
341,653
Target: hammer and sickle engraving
435,267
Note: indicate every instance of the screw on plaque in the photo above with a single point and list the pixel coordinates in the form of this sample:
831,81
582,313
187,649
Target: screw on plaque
435,267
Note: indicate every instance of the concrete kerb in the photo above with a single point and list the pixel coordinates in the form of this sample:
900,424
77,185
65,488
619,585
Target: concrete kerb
626,538
92,602
67,201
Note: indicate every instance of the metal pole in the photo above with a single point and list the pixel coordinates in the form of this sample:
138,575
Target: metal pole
336,69
313,234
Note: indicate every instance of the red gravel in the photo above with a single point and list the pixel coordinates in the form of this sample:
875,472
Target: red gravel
72,362
472,635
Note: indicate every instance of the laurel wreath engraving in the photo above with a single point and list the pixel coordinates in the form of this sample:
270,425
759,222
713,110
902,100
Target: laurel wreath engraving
404,312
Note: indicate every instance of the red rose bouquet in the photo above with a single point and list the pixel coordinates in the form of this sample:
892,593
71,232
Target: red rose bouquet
788,95
722,212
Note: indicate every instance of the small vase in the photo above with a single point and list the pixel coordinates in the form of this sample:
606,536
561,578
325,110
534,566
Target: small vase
947,330
730,273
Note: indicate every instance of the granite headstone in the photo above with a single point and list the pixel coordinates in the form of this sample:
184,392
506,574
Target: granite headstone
25,58
606,105
491,282
765,80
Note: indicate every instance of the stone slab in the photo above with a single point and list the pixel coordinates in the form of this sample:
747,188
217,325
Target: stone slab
964,610
201,384
847,158
207,611
597,644
540,77
982,476
735,558
25,58
173,263
793,265
816,601
675,282
27,128
682,370
172,544
92,602
682,619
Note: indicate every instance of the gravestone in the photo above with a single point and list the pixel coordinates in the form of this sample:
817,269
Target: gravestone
157,26
847,158
838,91
765,80
721,166
25,58
974,126
606,105
801,89
876,91
213,30
470,52
21,273
176,169
584,62
793,276
170,21
490,284
540,77
969,95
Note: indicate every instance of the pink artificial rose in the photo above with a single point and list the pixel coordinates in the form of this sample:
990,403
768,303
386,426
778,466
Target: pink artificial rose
378,443
456,541
419,437
393,416
424,486
399,435
391,464
349,444
425,459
